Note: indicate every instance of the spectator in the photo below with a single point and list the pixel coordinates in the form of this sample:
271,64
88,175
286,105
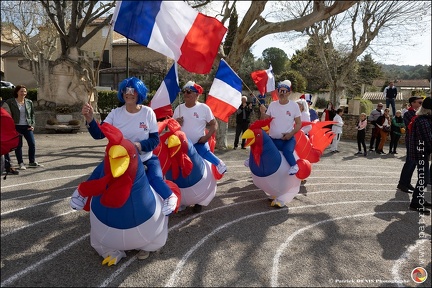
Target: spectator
384,125
397,129
408,168
22,112
390,93
286,122
361,134
328,114
420,147
375,136
337,129
405,108
194,116
305,116
312,112
242,121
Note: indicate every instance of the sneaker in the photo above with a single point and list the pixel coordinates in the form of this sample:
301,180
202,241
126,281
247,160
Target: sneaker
34,165
22,166
359,153
405,189
293,169
12,171
197,208
77,202
365,153
420,209
142,255
235,148
221,167
394,152
243,148
371,150
277,203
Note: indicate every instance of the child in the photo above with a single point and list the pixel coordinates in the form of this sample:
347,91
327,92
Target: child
337,129
361,133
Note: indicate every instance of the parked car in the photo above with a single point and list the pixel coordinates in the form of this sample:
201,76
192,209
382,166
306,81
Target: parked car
6,84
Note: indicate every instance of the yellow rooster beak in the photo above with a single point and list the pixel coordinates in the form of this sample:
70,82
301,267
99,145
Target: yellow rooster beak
249,136
174,144
119,160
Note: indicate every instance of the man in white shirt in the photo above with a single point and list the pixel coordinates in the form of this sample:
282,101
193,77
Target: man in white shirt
286,122
194,117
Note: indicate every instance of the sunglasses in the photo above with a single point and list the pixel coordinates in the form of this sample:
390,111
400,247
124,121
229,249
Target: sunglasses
188,91
129,90
283,91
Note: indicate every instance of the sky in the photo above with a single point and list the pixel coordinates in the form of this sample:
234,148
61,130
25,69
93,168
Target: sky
414,51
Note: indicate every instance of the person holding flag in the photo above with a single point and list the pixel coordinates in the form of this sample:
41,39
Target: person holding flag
194,117
286,122
138,124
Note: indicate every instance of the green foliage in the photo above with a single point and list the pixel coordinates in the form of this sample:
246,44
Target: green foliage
107,100
276,57
6,93
418,93
406,72
320,103
74,122
247,66
298,82
232,31
52,121
366,106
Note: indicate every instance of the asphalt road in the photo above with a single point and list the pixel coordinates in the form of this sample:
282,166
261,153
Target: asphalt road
348,226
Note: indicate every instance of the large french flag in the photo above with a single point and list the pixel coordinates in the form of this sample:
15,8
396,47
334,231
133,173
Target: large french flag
166,94
224,96
173,29
265,81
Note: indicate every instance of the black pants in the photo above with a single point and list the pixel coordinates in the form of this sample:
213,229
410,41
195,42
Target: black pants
394,140
240,129
375,137
361,135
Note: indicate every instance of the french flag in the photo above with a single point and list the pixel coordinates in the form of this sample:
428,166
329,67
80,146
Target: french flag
265,81
166,94
173,29
225,93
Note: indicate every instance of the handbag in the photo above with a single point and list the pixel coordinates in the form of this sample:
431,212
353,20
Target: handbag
386,128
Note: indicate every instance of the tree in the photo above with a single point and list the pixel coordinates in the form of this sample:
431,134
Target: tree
254,26
366,20
305,62
276,57
69,79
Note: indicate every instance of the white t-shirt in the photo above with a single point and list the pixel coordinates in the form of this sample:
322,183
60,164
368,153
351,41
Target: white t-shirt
284,116
337,128
134,126
195,120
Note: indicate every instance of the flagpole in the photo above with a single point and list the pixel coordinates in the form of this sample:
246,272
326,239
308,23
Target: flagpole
258,101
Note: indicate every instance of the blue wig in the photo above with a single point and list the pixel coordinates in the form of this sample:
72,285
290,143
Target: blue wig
138,86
